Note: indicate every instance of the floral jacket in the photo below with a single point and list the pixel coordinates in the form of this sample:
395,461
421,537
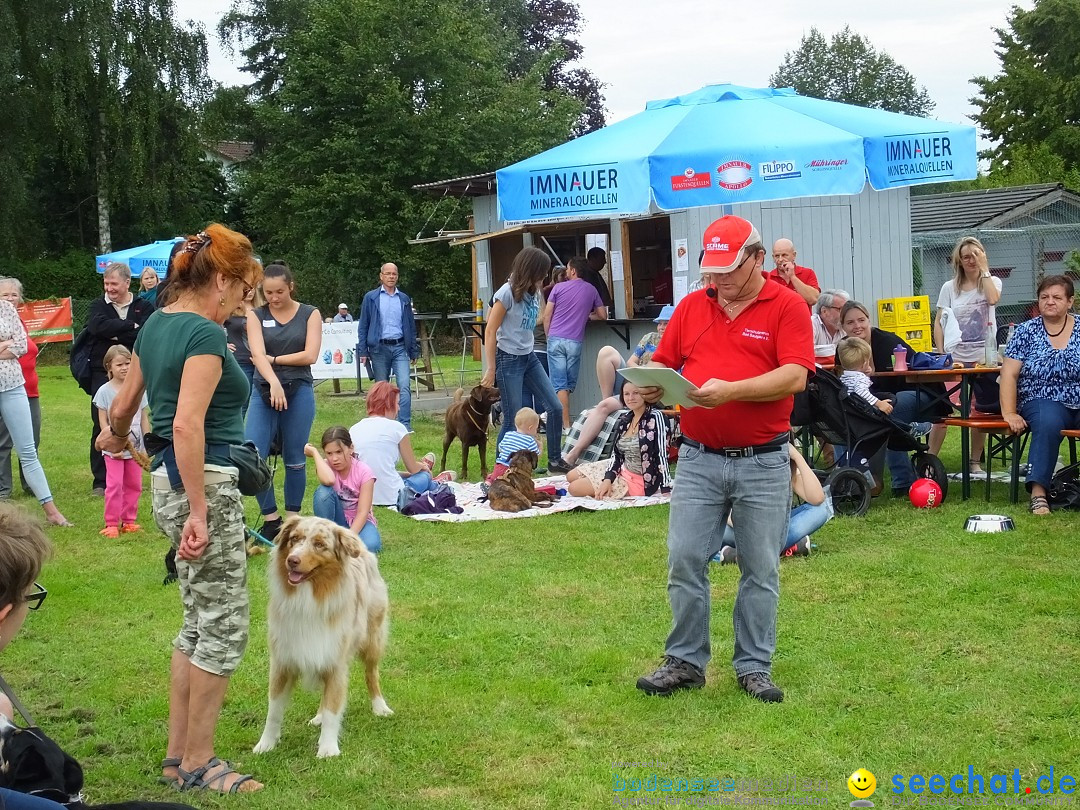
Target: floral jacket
653,439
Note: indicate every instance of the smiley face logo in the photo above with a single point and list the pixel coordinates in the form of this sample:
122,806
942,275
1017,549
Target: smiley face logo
862,784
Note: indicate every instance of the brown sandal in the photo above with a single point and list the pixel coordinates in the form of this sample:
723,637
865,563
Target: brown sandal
1039,505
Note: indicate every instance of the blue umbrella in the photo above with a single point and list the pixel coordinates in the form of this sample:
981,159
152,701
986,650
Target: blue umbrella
728,144
155,255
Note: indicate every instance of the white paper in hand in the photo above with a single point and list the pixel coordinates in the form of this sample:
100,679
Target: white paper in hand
675,385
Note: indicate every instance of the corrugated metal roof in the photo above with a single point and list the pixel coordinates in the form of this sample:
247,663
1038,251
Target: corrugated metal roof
474,185
982,207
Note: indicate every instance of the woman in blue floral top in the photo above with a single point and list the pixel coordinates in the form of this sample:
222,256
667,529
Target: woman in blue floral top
1040,383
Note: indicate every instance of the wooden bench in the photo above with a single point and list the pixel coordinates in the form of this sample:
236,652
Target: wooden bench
1001,443
1072,436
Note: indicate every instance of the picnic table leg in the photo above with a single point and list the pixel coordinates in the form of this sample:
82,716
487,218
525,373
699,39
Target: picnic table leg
965,465
1014,479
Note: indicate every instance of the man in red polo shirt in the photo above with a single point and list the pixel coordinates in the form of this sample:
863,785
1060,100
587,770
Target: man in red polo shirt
802,280
747,344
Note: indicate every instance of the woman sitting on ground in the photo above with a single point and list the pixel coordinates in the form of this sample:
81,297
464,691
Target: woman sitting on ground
608,363
1040,383
639,466
814,512
381,441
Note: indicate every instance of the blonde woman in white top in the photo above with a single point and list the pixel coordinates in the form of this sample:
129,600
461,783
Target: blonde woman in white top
15,409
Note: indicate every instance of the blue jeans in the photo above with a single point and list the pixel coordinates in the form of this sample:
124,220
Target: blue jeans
564,360
385,359
415,484
326,503
15,411
13,800
804,521
293,424
756,492
909,407
514,375
1046,419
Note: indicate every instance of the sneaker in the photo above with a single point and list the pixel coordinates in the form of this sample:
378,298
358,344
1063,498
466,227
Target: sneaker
485,487
128,528
674,674
446,476
110,531
919,429
98,492
800,549
760,685
270,528
560,466
725,556
428,460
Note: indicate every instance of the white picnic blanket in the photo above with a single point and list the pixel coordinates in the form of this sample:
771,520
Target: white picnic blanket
468,498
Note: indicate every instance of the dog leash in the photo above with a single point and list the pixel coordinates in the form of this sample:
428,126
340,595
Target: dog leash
472,418
16,702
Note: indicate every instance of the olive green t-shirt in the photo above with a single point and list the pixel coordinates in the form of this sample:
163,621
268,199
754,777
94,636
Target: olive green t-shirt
165,343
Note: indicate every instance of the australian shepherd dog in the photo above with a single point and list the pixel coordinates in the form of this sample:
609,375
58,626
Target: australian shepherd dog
328,604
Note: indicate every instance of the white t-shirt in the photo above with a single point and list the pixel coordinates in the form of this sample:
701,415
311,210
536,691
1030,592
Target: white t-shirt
972,315
375,440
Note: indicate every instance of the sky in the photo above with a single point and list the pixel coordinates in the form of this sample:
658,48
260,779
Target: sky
651,49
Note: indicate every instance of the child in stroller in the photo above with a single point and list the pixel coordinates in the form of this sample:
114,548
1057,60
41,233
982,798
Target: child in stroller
847,421
856,359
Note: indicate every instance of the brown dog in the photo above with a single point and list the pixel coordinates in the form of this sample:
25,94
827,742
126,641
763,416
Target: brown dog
513,491
467,419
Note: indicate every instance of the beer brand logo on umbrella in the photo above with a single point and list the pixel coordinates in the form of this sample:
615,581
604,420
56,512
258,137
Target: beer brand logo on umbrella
734,175
690,179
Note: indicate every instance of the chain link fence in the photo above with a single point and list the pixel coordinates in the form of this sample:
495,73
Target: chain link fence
1020,255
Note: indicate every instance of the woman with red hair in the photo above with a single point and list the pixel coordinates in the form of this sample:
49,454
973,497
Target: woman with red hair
196,391
381,441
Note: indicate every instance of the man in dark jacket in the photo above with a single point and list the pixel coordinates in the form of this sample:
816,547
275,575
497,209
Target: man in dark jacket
114,319
386,333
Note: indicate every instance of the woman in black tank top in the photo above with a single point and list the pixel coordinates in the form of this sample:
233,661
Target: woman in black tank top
284,338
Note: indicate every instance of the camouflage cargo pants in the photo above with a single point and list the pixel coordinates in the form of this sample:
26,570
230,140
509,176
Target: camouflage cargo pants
213,588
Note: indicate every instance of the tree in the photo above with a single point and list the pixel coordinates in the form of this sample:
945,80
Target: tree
356,101
100,127
849,69
1035,99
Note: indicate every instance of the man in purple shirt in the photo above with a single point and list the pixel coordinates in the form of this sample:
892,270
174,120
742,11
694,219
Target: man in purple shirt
571,305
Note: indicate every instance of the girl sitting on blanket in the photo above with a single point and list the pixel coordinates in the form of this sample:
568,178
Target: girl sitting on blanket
346,487
639,466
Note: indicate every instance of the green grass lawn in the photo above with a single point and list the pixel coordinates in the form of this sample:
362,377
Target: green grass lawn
906,645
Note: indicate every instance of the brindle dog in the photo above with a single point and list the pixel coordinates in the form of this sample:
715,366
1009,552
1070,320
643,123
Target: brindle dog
513,491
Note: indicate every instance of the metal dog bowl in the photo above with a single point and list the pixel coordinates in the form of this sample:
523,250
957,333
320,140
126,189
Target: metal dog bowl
989,523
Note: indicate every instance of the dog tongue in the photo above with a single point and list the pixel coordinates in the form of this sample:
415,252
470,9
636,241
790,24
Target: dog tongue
295,577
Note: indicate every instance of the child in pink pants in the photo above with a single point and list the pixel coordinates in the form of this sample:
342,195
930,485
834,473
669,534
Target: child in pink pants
123,475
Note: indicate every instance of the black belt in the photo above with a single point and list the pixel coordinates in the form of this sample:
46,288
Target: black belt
391,341
739,452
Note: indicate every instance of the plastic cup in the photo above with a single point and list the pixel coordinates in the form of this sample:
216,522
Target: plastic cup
899,359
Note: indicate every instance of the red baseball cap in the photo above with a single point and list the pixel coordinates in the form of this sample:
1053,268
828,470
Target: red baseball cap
724,241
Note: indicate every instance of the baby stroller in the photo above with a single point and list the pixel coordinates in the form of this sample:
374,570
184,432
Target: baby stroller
842,419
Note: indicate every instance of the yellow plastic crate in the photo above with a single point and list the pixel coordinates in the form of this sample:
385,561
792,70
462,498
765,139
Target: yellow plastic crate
920,338
912,310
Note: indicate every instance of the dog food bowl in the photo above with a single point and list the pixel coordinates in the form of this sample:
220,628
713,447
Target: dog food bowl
989,523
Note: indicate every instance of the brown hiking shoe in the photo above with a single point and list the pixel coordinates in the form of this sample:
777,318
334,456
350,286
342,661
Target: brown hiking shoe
674,674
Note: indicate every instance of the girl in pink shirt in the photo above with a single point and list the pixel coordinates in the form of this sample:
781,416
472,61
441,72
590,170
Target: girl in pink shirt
347,487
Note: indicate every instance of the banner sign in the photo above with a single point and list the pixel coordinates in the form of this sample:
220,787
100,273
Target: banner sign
48,321
337,355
